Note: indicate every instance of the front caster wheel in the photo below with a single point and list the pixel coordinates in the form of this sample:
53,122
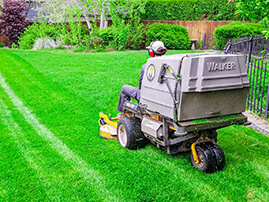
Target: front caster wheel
129,133
211,157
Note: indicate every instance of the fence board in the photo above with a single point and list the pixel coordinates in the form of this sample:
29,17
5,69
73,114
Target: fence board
196,29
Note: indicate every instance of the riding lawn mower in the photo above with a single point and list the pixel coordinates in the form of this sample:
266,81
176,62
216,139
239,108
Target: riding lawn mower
184,100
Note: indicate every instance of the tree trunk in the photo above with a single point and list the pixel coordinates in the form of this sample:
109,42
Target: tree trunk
89,26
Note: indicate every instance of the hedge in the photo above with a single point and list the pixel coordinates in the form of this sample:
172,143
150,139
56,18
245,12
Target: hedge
173,36
236,30
190,10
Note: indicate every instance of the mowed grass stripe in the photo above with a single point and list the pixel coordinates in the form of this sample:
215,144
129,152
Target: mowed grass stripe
67,181
77,163
55,102
29,153
18,181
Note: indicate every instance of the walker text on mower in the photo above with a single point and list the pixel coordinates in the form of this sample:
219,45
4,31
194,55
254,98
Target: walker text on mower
184,100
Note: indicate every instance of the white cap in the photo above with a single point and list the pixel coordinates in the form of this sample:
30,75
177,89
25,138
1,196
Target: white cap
157,46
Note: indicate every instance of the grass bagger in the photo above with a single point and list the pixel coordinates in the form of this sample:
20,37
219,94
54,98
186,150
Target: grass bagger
184,100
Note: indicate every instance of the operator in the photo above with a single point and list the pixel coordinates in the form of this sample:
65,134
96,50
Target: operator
155,49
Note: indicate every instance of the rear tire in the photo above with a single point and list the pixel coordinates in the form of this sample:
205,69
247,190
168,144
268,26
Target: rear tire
129,133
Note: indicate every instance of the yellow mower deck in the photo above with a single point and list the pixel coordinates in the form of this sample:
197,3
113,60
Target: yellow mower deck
108,126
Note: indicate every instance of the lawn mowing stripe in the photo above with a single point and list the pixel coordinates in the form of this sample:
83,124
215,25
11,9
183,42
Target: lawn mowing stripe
77,163
3,192
28,152
71,184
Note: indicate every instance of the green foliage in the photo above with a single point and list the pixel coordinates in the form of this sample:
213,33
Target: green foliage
200,44
81,49
265,23
173,36
74,34
97,44
126,32
121,32
254,10
77,34
118,10
236,30
190,10
107,35
38,30
136,36
14,46
123,35
2,45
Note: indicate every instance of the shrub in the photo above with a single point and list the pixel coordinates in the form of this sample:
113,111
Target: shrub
38,30
96,43
2,45
123,35
136,36
77,34
74,34
173,36
236,30
190,10
107,35
13,17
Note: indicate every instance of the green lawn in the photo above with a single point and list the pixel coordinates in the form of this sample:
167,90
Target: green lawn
51,149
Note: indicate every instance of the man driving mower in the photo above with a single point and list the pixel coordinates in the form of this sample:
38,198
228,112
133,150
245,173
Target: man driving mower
155,49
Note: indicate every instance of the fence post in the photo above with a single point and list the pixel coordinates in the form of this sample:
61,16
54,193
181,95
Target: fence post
267,104
203,47
250,48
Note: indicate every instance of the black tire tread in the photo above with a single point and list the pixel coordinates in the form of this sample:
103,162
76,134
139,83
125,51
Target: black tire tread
210,161
135,137
219,156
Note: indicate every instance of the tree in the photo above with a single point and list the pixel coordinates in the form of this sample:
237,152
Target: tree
254,10
70,10
88,10
13,19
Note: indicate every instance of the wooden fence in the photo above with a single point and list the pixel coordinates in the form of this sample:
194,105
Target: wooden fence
196,29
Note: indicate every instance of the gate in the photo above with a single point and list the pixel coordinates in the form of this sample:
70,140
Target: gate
256,50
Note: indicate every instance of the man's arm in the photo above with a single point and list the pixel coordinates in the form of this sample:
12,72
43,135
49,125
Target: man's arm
141,75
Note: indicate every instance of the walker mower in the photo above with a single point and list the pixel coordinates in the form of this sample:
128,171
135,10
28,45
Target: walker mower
184,100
